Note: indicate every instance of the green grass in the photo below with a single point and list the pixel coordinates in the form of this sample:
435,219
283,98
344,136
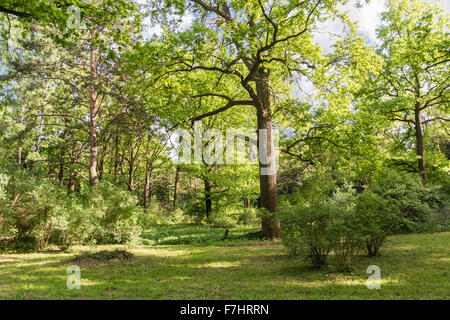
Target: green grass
171,234
412,267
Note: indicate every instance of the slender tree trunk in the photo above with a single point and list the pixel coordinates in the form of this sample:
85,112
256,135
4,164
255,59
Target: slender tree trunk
93,176
72,181
270,227
208,200
63,155
131,186
419,142
148,185
116,154
102,160
19,154
72,175
41,130
20,147
120,167
175,190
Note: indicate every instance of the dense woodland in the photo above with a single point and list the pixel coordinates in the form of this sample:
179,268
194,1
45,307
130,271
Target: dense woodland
89,107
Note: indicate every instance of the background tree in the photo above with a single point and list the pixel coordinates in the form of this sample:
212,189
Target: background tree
414,86
253,46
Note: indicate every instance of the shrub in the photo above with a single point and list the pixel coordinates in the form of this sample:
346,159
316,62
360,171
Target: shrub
34,208
23,244
377,218
347,239
304,231
249,216
223,219
415,201
344,223
228,217
31,201
344,227
440,220
116,213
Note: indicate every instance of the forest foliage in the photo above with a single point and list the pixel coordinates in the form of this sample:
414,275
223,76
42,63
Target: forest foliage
88,115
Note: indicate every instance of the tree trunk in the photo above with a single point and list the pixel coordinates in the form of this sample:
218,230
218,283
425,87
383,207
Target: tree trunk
41,131
116,154
102,161
131,186
20,147
72,181
148,185
93,108
175,190
270,227
19,153
208,200
72,174
419,142
63,155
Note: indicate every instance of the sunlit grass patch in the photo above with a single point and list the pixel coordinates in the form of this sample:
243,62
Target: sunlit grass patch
412,267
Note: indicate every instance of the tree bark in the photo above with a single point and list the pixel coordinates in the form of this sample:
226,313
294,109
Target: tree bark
208,200
102,161
419,142
93,176
116,154
41,130
72,181
131,185
20,147
175,190
270,227
148,185
63,155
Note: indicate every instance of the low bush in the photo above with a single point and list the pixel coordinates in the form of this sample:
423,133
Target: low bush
305,231
345,227
378,218
345,223
36,212
231,217
222,220
415,201
23,244
249,216
116,212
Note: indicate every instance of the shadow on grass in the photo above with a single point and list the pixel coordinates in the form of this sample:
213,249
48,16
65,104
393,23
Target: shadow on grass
218,272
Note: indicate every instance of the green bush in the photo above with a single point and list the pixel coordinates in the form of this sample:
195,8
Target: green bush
344,223
347,239
345,227
34,208
23,244
223,219
228,217
116,213
304,231
415,201
249,216
377,218
440,220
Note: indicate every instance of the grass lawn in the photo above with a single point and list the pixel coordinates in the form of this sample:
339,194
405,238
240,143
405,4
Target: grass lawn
412,267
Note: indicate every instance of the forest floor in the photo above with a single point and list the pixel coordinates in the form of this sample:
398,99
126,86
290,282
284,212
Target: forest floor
412,267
